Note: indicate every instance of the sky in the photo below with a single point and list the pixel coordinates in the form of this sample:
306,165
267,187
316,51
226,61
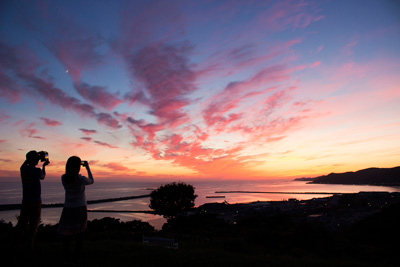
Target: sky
200,89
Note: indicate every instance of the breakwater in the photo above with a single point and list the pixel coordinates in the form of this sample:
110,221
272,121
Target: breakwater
5,207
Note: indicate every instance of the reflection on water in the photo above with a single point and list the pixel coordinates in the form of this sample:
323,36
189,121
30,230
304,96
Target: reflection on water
52,192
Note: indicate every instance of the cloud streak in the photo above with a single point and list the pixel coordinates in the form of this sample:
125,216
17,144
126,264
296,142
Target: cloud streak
50,122
28,130
87,131
117,167
105,144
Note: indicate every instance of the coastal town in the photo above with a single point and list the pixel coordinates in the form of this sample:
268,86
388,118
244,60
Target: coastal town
335,212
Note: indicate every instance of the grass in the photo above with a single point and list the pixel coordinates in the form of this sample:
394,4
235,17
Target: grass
129,253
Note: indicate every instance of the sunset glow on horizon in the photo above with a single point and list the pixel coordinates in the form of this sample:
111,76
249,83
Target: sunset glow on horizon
201,89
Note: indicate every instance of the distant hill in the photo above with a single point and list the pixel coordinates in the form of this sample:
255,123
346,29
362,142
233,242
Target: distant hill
370,176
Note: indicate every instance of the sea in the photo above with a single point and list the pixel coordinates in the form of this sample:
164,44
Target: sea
237,191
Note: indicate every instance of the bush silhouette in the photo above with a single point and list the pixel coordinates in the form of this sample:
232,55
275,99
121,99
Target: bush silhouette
170,199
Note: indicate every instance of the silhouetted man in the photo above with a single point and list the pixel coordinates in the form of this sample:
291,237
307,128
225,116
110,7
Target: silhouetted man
31,198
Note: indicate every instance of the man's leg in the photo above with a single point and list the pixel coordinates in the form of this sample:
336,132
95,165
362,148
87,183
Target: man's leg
22,225
34,221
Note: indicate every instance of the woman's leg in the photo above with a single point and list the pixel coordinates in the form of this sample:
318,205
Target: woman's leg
66,246
79,246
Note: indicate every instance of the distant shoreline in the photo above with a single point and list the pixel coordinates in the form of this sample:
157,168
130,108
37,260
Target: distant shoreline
371,176
269,192
370,184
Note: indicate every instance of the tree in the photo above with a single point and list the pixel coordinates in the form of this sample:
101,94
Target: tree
170,199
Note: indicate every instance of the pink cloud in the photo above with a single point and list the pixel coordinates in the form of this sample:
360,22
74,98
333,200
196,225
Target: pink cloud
104,144
8,88
4,116
167,78
87,131
319,49
38,137
98,95
315,64
76,53
17,59
236,92
293,42
205,161
19,122
50,122
166,81
146,130
347,50
226,112
222,114
121,116
47,90
222,63
162,69
227,162
108,120
93,162
76,48
14,60
271,126
58,97
288,15
30,131
137,96
114,166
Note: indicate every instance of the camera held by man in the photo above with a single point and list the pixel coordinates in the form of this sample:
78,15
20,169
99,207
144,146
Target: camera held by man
43,156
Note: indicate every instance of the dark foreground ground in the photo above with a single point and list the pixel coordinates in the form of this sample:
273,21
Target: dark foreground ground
206,239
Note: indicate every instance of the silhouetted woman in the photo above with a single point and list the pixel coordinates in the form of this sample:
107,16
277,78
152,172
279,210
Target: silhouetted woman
73,221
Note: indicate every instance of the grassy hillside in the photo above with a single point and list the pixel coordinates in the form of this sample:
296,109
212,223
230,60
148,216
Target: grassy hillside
205,240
